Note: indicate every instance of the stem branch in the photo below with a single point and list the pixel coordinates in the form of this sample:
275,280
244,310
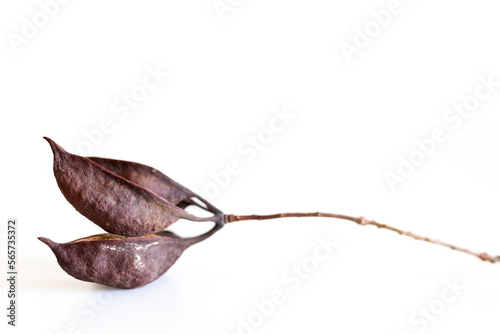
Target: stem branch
362,221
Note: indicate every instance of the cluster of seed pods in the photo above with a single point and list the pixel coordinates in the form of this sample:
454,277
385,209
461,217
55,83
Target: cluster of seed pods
135,203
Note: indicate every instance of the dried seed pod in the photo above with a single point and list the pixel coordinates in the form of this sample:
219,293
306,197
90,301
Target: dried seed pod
122,262
114,203
154,181
133,200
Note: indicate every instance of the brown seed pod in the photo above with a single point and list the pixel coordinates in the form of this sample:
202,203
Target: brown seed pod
122,262
117,204
131,200
154,181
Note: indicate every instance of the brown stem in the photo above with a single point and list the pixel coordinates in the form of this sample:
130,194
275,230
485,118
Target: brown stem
362,221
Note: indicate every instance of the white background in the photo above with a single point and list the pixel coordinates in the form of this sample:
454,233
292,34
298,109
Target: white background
226,76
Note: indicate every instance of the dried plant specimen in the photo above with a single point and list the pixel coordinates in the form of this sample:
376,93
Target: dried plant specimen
111,201
154,181
135,203
122,262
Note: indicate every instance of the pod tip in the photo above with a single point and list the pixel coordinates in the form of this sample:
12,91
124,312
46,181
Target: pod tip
47,241
50,141
56,149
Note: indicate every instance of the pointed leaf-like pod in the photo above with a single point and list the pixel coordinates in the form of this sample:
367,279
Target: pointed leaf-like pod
111,201
122,262
155,181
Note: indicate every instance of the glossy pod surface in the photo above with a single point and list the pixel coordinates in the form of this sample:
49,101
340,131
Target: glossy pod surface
122,262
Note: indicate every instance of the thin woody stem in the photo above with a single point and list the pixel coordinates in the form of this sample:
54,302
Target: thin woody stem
362,221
